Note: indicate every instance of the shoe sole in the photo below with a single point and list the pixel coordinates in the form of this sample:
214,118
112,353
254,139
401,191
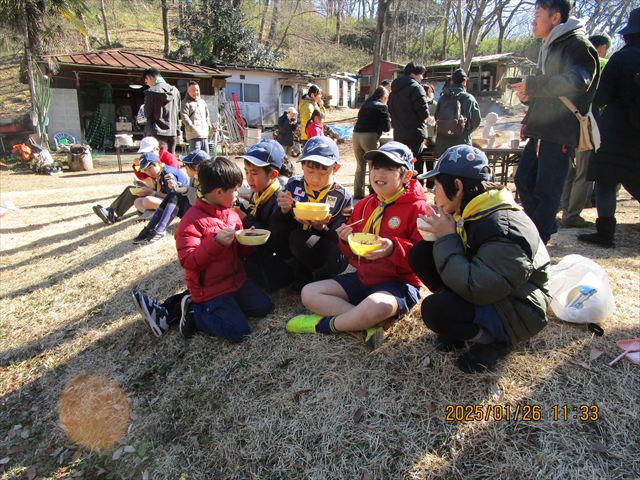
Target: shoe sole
144,313
98,211
183,316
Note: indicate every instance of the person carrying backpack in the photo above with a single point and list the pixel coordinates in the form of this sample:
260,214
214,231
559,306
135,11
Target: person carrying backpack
457,114
618,159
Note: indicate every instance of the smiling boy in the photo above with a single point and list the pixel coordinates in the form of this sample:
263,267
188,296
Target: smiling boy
384,286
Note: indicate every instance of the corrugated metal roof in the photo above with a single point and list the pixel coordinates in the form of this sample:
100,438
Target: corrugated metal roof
235,66
122,59
479,59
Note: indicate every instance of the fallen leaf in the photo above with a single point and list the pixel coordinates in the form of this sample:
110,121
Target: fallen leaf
145,475
57,452
431,407
365,475
117,454
426,362
129,449
357,416
595,353
299,393
24,434
100,472
4,461
31,473
362,392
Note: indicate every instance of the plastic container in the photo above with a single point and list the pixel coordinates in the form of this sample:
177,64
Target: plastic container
253,237
311,211
363,243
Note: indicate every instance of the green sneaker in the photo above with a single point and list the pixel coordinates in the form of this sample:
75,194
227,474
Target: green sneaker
373,337
303,323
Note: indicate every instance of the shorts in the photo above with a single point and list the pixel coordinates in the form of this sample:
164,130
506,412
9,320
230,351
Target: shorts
405,294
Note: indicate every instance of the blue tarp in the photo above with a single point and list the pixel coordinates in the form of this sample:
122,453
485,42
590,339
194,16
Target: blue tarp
343,131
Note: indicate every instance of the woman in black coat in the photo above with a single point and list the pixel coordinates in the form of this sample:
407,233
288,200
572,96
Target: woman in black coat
618,159
373,119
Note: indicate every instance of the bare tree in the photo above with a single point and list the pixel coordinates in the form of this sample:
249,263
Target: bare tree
165,27
263,20
474,20
383,8
274,21
107,38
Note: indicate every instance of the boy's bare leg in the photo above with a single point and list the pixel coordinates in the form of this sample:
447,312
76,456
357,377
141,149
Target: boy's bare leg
326,298
147,203
374,309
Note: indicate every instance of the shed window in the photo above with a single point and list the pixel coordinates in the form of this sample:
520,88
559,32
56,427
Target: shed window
251,93
287,95
233,88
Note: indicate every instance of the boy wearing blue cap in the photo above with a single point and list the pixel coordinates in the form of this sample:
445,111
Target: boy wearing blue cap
487,268
266,169
147,198
314,244
176,203
384,285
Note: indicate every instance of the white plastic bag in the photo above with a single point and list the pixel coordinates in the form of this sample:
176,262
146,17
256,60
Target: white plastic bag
580,291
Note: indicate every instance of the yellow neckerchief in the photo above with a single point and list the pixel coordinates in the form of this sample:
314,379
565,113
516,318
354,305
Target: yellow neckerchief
316,198
375,219
258,199
158,180
482,206
196,185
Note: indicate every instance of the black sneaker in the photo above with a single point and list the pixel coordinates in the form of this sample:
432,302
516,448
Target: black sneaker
153,314
187,322
155,236
142,236
105,214
482,358
446,345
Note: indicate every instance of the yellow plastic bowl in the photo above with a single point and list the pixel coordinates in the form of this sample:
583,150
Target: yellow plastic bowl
135,190
311,206
253,237
363,243
316,213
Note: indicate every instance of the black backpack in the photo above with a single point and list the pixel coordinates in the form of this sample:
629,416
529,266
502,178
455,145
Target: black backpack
449,119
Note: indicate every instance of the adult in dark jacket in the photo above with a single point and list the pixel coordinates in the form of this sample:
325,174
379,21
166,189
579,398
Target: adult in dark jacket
568,66
487,265
161,109
409,108
468,108
286,126
373,119
618,159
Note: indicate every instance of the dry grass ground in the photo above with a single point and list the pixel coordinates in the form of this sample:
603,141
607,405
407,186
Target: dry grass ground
280,406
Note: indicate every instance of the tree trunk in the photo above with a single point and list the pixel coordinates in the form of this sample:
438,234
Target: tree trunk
445,29
107,38
165,27
85,34
339,7
274,21
383,6
263,21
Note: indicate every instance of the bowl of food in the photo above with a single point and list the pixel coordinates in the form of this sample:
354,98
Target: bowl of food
136,190
363,243
426,235
311,211
252,236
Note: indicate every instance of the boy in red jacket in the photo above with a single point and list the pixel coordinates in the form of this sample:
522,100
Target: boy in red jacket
221,293
384,285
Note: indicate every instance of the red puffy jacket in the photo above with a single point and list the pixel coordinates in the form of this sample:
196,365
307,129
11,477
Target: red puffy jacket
210,269
399,224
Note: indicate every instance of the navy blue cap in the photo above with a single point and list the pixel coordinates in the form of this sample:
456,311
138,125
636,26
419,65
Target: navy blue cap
461,161
322,150
195,157
395,151
267,152
148,158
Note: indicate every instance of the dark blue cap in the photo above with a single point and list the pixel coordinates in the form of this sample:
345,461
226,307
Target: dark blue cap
195,157
395,151
461,161
148,158
322,150
267,152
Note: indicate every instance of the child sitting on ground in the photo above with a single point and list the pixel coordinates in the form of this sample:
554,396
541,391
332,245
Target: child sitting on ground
221,293
384,285
315,125
314,244
176,203
487,268
151,144
264,165
146,197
